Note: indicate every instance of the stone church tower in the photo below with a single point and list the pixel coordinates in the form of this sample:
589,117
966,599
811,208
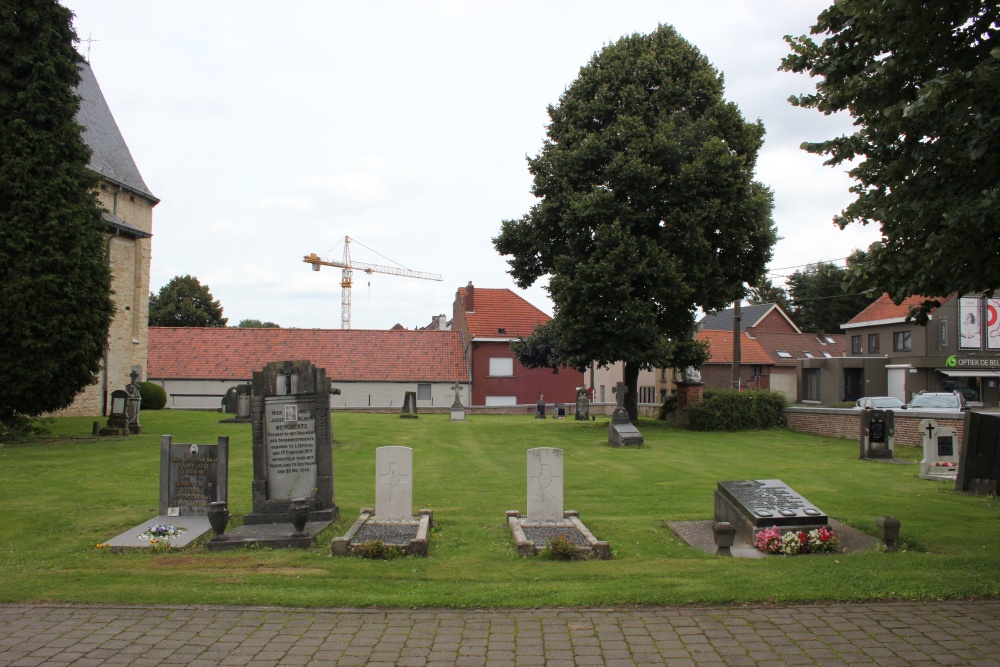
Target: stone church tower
128,219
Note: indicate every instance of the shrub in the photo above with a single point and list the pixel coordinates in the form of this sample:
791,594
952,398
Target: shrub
730,410
669,405
377,550
561,549
19,428
154,397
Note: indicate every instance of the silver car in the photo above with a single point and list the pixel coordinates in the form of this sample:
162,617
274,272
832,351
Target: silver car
950,401
878,403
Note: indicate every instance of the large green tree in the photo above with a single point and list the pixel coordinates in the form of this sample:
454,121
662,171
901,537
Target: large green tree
55,283
824,295
257,324
647,209
185,302
921,80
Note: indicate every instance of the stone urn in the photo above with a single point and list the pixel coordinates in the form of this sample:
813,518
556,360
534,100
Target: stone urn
298,512
218,518
725,535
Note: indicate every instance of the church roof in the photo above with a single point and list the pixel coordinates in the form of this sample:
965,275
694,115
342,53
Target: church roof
110,156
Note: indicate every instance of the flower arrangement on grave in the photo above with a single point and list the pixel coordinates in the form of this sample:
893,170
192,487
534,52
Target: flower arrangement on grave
160,535
819,540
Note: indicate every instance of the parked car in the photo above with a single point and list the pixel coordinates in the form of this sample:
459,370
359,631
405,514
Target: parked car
943,401
878,403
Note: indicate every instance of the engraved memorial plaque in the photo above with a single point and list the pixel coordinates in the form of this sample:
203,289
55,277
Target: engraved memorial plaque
290,436
196,475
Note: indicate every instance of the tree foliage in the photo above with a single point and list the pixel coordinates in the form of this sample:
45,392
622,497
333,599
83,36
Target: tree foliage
920,80
55,283
768,292
257,324
647,208
185,302
825,295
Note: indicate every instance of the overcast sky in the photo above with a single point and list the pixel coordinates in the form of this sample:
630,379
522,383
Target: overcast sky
271,130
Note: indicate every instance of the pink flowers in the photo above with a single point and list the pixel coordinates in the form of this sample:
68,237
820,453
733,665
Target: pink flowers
773,541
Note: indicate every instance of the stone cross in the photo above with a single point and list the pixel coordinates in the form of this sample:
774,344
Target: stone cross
458,393
545,484
620,390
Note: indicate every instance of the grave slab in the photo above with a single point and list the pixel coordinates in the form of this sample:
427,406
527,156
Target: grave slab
269,536
194,527
698,534
753,505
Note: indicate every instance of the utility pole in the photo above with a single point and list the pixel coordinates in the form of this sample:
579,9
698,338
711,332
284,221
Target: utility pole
737,316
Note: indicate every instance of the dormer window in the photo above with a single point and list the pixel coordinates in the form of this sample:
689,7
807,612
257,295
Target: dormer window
809,355
784,354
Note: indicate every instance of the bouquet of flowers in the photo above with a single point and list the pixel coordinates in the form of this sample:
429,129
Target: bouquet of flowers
820,540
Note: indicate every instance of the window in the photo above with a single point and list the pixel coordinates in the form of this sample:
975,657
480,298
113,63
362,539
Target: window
830,340
856,345
873,345
901,341
500,367
423,392
810,384
647,394
827,354
809,355
501,400
756,371
784,354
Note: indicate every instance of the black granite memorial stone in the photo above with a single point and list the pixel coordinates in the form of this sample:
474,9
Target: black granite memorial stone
877,434
753,505
192,476
979,461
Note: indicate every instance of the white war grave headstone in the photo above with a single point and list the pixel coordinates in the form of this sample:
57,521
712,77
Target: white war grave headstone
940,451
393,484
545,485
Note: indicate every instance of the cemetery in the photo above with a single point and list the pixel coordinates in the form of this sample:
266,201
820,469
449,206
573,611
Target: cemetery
453,495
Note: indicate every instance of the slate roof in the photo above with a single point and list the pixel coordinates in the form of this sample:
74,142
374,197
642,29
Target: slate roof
347,355
721,348
797,345
500,313
883,309
110,156
749,316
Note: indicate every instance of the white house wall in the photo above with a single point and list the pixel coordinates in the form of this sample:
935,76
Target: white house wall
207,394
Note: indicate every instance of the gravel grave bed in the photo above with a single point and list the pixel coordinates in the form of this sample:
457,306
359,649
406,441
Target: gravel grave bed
387,533
539,534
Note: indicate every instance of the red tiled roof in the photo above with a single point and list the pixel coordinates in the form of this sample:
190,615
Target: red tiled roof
721,348
498,309
354,355
798,344
884,309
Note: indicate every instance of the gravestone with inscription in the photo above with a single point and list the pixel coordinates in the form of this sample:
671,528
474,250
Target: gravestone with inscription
582,404
192,476
979,462
877,434
753,505
621,431
940,460
393,483
540,407
546,519
292,442
409,410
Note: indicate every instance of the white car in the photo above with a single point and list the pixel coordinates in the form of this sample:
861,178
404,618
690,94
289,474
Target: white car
879,403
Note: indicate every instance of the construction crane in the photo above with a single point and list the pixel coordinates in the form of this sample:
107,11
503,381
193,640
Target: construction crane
347,276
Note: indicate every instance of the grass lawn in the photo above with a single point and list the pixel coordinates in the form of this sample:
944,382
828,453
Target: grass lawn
63,495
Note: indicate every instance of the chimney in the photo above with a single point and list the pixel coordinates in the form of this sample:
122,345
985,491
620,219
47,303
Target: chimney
442,322
470,298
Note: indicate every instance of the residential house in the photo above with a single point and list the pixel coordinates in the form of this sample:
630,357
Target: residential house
756,366
490,319
128,219
784,343
372,369
957,350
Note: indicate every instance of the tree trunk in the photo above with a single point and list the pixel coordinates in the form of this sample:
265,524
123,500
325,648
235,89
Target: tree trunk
631,381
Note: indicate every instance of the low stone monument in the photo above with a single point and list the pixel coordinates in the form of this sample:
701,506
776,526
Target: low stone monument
940,460
877,434
546,519
409,410
621,432
237,402
123,413
754,505
457,409
192,477
392,522
979,462
540,407
582,404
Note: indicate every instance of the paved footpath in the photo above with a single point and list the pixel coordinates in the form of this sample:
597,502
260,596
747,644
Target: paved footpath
926,633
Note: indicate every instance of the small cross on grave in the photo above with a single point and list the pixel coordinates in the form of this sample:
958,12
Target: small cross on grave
930,428
458,393
620,390
393,479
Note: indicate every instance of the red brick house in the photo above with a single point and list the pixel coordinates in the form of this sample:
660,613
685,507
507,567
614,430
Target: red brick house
489,320
755,364
196,366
